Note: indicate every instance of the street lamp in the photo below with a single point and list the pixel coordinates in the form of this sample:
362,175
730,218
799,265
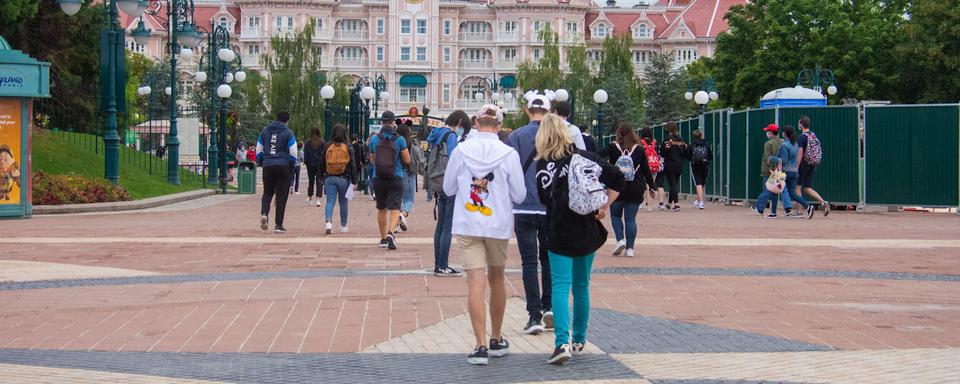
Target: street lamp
702,93
112,76
221,66
562,95
817,78
599,97
327,92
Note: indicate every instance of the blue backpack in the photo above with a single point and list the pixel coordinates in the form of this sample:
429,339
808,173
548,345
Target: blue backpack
625,162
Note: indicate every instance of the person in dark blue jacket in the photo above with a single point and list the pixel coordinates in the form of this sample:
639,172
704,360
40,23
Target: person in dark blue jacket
277,155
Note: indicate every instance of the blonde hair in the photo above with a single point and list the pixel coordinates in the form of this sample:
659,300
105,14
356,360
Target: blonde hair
553,141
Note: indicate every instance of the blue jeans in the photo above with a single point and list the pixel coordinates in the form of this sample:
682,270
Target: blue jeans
368,179
531,231
624,215
409,191
571,272
766,195
441,236
790,195
336,188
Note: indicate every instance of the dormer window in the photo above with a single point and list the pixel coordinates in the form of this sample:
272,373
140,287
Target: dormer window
601,30
642,31
223,22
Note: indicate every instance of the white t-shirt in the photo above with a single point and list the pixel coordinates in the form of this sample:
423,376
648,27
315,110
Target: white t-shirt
577,136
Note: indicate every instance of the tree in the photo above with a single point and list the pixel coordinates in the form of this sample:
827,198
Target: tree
294,83
13,11
544,73
617,77
770,41
932,46
579,81
663,88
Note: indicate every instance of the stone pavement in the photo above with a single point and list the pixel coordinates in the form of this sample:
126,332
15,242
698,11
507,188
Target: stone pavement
195,292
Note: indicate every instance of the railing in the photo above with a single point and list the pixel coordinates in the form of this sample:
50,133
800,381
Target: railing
413,64
284,32
507,36
250,32
475,64
250,60
343,62
321,34
469,104
572,37
351,34
504,63
475,36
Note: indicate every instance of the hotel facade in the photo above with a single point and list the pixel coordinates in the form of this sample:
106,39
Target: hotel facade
438,52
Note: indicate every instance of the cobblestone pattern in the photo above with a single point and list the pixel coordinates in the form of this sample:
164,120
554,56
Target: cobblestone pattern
328,368
313,273
618,332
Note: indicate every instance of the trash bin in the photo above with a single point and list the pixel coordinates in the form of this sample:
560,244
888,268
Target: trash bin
247,178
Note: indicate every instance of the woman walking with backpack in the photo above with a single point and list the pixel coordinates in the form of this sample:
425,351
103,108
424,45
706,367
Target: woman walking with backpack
674,152
699,154
627,154
313,158
339,159
655,164
569,179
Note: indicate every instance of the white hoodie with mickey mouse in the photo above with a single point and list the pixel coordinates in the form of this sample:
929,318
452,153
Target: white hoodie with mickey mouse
486,176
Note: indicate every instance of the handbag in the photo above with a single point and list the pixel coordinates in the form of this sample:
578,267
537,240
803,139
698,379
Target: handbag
777,180
351,191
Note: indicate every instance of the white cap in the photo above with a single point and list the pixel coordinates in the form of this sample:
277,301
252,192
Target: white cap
490,110
536,100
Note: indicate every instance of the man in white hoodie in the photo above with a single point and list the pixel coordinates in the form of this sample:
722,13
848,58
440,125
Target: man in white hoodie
486,177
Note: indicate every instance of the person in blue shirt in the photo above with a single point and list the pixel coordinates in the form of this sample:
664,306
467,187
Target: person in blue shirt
388,186
456,122
787,154
277,154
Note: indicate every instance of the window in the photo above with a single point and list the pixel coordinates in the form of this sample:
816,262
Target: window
412,95
318,23
475,55
317,50
470,90
536,53
405,26
352,53
686,56
601,30
595,55
381,25
351,25
536,26
447,27
253,50
509,26
642,31
446,93
641,57
421,27
573,27
380,53
510,53
446,54
253,22
404,53
290,22
223,22
421,53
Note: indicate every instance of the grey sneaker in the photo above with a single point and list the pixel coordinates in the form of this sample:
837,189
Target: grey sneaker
548,320
577,348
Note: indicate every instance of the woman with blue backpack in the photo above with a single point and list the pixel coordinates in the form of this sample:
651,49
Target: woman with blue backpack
699,154
627,154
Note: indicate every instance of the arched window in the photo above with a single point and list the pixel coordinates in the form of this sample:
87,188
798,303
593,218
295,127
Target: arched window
642,31
602,30
223,22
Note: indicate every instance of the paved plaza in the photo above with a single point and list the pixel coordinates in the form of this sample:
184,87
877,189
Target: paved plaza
195,293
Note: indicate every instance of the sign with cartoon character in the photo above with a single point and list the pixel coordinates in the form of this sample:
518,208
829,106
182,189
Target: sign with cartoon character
479,192
10,138
22,79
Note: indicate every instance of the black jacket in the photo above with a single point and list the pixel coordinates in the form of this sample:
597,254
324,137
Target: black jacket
674,152
314,157
633,191
569,233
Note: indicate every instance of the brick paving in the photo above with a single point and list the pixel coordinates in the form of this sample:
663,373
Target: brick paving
229,303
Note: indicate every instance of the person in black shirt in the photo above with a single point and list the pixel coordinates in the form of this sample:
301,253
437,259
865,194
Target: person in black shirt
623,211
674,152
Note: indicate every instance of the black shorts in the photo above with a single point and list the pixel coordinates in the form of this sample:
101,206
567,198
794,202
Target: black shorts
658,179
806,175
700,172
389,193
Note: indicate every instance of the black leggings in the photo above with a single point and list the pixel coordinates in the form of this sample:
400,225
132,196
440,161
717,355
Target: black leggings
276,182
314,177
673,181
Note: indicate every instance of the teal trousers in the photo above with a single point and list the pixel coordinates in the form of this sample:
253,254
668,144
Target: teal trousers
570,273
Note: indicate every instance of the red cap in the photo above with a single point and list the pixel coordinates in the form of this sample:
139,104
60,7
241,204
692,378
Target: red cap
771,128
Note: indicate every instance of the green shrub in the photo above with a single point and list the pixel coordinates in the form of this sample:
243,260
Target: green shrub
74,189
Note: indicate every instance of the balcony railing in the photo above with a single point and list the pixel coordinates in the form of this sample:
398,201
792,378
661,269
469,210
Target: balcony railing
476,36
321,34
507,36
284,32
505,63
572,37
250,32
413,63
469,104
250,60
351,34
350,62
475,64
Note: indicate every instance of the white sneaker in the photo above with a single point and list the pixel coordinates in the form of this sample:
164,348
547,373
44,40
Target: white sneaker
328,228
318,202
629,252
309,200
621,245
344,229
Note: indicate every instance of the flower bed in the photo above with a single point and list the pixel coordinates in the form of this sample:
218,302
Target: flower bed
74,189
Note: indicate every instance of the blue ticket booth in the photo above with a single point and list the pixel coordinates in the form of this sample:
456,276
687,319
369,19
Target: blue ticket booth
22,79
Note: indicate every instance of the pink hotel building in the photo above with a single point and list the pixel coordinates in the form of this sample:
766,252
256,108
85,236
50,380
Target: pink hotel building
436,52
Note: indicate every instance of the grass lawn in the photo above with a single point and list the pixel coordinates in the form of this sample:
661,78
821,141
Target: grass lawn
141,174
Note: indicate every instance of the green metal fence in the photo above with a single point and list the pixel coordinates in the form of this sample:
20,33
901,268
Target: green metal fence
912,155
754,137
837,127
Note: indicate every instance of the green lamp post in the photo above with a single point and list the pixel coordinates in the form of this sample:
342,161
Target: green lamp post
702,93
817,78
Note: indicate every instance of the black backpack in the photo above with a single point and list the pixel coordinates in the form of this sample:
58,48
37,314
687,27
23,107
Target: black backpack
385,157
699,154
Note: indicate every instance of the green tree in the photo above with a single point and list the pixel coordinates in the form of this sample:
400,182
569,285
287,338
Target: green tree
932,46
617,77
664,87
770,41
294,81
579,81
13,11
544,73
249,108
